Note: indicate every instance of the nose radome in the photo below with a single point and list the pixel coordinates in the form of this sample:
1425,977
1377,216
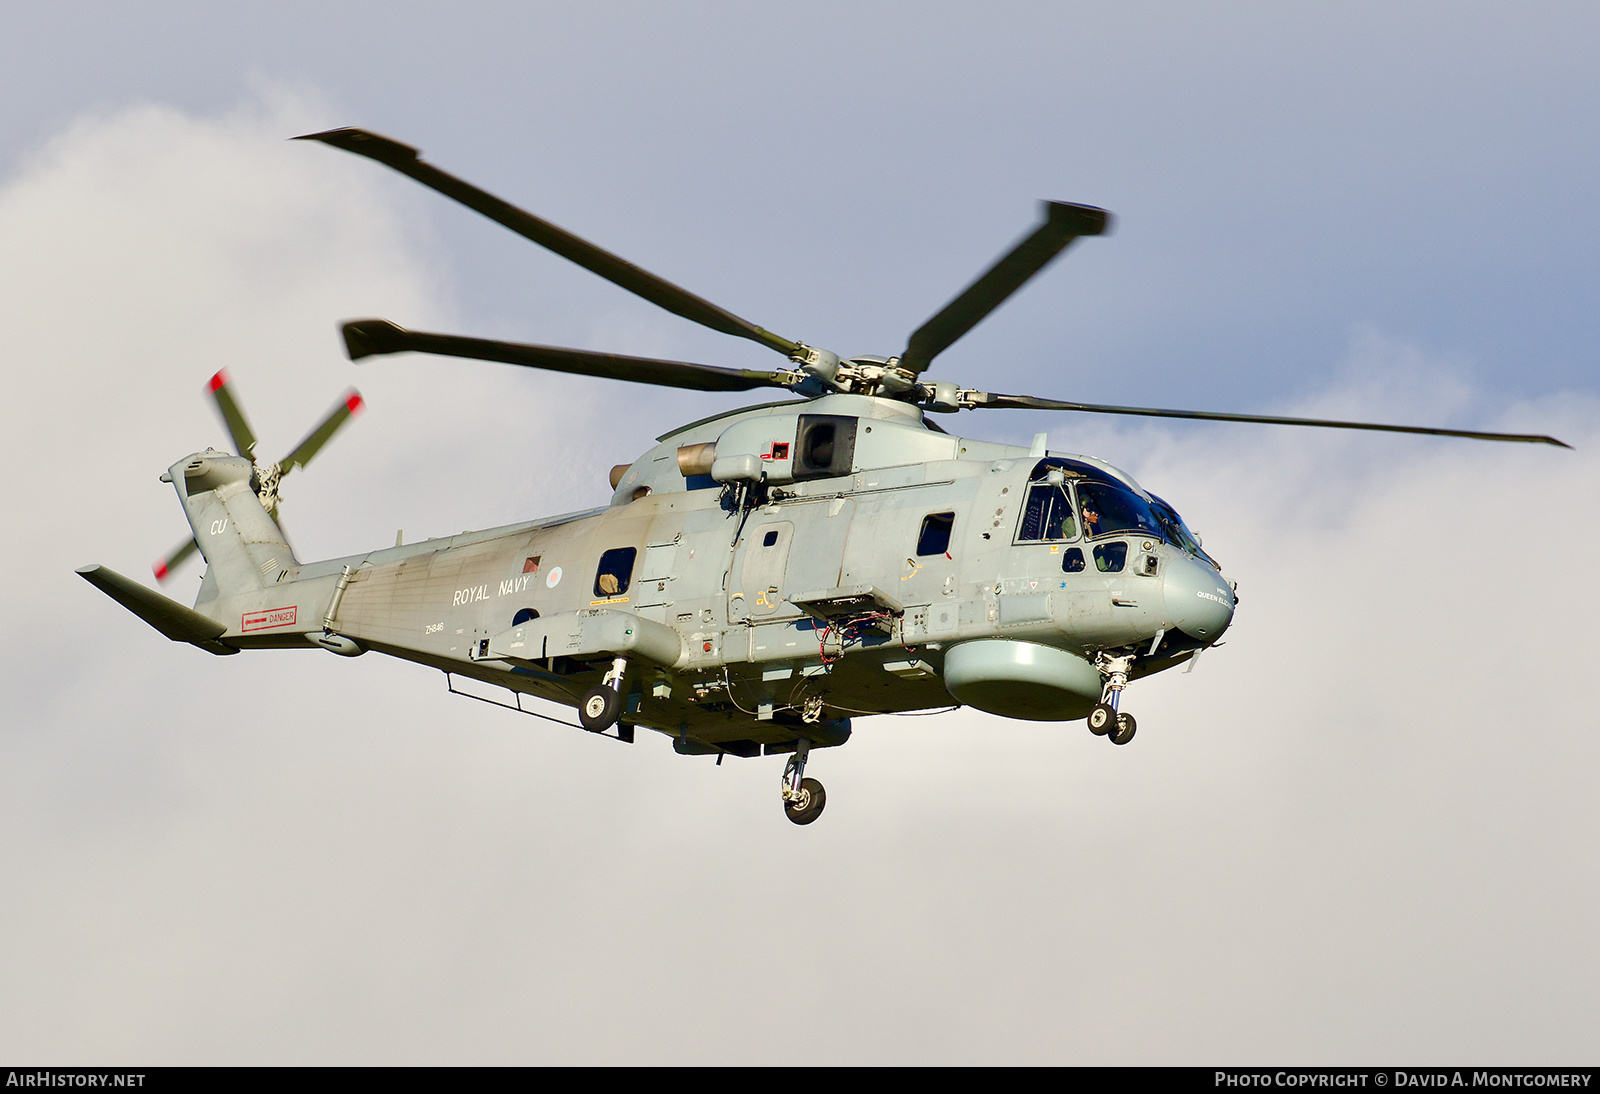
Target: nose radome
1199,602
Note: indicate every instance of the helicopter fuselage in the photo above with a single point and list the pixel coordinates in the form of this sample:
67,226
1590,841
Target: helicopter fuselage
888,567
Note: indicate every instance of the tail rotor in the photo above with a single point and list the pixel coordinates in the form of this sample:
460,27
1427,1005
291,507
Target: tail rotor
164,566
268,477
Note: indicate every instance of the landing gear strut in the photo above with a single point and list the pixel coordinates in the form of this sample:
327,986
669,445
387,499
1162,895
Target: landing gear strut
803,798
1105,720
602,705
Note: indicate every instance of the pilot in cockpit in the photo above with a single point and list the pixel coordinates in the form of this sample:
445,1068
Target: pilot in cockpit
1091,518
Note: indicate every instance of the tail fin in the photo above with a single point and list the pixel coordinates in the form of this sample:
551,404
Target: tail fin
243,546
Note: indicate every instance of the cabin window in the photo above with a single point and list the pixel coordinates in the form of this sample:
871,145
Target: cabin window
531,565
524,615
770,539
615,571
934,539
1106,508
1109,558
1072,561
1047,515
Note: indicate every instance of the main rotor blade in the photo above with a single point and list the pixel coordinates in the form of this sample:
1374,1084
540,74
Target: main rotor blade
983,400
244,439
367,337
164,566
350,406
618,271
1063,223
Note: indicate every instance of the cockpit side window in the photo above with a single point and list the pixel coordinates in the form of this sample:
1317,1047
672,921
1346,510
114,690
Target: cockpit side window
1177,532
1047,515
1106,508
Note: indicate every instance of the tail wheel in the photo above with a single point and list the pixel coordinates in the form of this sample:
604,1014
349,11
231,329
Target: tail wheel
600,709
809,805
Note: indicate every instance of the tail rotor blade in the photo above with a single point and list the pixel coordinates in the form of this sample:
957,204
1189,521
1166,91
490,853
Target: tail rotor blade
244,439
164,566
347,408
1063,223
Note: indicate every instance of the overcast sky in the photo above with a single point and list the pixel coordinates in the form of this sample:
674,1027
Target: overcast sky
1362,830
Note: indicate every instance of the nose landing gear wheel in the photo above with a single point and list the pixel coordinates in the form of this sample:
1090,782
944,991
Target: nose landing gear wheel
600,709
1102,719
807,807
1126,728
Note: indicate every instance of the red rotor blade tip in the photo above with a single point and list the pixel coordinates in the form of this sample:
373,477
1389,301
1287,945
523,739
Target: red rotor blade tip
160,568
218,380
354,403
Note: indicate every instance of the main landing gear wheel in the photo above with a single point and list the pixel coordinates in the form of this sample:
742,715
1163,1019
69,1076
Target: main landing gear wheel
602,704
600,709
1126,728
1102,719
807,805
803,798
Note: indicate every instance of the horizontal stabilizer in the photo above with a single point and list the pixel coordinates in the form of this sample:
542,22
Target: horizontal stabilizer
167,616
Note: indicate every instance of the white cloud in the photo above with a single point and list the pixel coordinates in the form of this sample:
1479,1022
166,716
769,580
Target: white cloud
1360,829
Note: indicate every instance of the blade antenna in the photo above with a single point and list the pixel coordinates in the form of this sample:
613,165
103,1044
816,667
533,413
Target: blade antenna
1064,222
617,270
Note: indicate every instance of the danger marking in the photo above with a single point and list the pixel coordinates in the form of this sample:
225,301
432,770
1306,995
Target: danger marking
272,617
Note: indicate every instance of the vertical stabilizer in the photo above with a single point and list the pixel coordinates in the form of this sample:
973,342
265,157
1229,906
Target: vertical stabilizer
243,546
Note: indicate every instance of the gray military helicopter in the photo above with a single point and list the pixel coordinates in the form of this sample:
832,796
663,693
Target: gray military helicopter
761,576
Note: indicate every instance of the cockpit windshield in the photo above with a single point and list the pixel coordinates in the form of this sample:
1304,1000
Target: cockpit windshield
1176,532
1106,505
1111,507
